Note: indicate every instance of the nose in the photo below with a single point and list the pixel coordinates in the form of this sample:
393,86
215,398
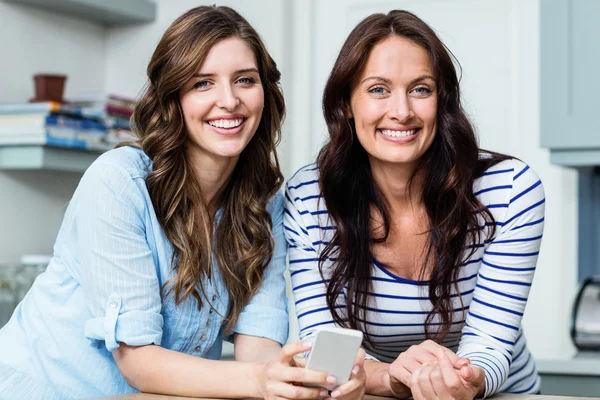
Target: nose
228,99
400,108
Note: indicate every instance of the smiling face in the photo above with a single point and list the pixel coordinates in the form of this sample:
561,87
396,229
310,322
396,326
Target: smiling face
394,103
223,103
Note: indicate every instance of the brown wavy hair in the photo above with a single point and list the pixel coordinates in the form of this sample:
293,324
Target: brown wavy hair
449,166
242,241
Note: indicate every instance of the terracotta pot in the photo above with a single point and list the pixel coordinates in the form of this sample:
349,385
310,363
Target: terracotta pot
49,87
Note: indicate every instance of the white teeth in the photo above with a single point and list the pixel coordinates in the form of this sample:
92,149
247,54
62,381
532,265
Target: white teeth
391,133
226,123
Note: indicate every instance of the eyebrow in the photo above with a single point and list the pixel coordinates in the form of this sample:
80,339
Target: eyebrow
389,82
240,71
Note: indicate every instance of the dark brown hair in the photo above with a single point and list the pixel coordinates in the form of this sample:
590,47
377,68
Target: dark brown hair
243,244
449,166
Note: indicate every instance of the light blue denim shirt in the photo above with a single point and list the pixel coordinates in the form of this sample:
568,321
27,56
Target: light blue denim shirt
103,287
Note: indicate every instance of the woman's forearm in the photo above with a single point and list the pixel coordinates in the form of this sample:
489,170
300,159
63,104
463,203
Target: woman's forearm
255,349
378,381
154,369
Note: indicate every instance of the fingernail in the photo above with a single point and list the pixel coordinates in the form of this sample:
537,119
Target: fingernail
331,379
323,393
355,370
307,345
335,393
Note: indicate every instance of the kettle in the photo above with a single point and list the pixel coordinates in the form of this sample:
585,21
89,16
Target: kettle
585,319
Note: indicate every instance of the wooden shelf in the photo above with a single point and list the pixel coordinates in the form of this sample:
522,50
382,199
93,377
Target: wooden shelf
34,157
107,12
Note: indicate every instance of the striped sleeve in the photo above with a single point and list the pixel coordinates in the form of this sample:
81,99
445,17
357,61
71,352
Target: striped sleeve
504,280
302,232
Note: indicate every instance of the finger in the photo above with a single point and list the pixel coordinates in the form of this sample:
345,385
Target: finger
437,379
300,361
423,354
425,383
473,375
291,349
297,392
360,357
450,375
460,362
435,348
304,375
354,385
402,373
415,388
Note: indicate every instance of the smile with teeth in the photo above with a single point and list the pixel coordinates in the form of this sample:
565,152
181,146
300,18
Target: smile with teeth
394,133
226,123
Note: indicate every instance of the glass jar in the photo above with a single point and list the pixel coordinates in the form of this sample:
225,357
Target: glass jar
8,292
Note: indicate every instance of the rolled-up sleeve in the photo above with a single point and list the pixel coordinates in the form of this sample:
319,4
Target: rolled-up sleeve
266,313
118,272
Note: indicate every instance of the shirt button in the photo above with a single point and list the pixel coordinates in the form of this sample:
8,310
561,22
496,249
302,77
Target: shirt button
211,311
203,337
208,322
214,297
113,304
197,348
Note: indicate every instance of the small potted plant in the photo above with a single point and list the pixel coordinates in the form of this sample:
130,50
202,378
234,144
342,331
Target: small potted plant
49,87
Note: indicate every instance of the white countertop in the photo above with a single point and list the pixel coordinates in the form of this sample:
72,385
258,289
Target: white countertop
581,364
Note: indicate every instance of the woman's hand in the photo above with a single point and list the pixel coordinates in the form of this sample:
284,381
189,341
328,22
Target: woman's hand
402,369
355,388
442,380
281,379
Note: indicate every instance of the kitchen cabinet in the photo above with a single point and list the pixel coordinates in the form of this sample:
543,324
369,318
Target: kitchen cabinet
569,81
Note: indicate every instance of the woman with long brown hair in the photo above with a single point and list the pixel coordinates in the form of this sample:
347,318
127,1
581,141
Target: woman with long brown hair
407,230
173,243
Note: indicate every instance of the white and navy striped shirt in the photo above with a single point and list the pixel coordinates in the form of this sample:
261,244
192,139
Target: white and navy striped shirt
494,283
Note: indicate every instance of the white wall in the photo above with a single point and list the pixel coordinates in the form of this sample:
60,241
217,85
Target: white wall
31,41
496,41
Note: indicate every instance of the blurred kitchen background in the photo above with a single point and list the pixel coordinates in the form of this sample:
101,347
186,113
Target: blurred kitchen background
529,79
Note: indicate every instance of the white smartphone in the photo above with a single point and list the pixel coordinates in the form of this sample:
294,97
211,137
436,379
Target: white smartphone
334,351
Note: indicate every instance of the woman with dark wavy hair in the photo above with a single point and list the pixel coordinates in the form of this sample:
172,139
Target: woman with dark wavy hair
173,243
408,231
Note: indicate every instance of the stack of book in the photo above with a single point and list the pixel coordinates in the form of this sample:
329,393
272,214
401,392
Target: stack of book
93,123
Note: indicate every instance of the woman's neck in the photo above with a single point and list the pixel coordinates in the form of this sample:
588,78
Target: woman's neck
394,180
212,173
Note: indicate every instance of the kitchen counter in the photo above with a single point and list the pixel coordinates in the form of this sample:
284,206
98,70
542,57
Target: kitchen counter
573,376
582,364
146,396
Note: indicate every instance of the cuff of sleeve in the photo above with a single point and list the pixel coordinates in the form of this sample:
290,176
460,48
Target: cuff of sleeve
136,328
270,323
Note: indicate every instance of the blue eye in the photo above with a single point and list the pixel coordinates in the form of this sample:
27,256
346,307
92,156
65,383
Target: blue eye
422,90
246,80
201,84
377,90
